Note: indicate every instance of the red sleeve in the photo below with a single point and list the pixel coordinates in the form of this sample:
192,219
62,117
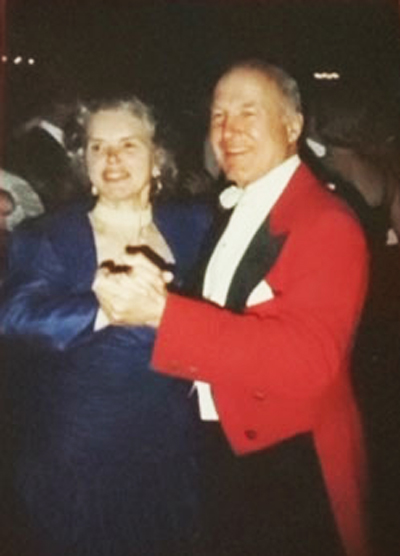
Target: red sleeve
293,345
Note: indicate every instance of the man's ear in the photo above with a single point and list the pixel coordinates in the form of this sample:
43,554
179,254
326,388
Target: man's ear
294,126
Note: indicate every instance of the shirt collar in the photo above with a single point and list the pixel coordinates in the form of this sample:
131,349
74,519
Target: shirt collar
269,186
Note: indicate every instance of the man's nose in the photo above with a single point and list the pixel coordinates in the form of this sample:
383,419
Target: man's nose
231,125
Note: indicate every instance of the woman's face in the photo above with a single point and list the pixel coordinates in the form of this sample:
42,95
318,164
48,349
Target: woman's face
119,156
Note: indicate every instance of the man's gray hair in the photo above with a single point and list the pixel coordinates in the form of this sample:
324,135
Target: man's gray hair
286,84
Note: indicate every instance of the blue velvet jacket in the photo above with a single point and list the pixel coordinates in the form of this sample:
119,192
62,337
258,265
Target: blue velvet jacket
47,294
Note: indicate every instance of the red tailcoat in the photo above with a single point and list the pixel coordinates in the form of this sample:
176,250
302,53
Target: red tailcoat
282,367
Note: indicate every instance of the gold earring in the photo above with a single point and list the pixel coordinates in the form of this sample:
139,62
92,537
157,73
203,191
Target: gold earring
157,183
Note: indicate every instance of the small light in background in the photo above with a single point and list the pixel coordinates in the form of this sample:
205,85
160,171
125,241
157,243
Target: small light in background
31,61
325,75
4,58
18,60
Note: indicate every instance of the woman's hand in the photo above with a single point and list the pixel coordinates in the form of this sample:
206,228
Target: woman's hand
134,298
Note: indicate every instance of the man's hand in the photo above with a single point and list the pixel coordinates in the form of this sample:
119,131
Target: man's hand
134,298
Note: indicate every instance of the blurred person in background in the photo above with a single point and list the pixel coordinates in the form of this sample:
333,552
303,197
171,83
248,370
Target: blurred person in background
18,202
354,137
37,151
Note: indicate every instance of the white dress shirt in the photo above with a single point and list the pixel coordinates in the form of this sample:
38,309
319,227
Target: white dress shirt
253,207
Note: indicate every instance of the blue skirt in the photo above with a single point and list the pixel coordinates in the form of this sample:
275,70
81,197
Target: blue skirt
109,459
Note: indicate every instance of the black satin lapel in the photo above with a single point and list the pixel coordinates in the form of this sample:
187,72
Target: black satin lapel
259,258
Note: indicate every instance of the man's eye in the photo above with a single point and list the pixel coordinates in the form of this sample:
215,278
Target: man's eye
249,113
95,147
216,116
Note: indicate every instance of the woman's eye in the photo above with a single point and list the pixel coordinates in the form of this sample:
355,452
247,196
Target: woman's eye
94,147
130,145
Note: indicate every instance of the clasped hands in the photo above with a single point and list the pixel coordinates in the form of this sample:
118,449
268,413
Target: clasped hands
132,297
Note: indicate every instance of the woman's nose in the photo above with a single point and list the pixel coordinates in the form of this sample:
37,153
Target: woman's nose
112,154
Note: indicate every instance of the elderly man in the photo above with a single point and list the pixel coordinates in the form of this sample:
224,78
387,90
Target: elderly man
269,344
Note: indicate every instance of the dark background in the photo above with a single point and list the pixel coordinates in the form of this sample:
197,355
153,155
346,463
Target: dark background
172,51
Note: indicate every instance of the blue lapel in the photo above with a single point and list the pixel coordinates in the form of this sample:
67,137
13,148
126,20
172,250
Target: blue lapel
72,238
183,225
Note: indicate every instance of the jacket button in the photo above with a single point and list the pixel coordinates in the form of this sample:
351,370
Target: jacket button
250,434
259,395
193,370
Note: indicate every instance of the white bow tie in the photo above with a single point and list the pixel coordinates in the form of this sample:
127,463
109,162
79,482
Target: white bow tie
230,196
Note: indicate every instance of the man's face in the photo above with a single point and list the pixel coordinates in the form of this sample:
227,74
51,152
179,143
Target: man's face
252,128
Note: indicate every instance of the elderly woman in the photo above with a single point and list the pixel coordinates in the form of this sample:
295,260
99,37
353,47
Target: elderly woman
108,457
